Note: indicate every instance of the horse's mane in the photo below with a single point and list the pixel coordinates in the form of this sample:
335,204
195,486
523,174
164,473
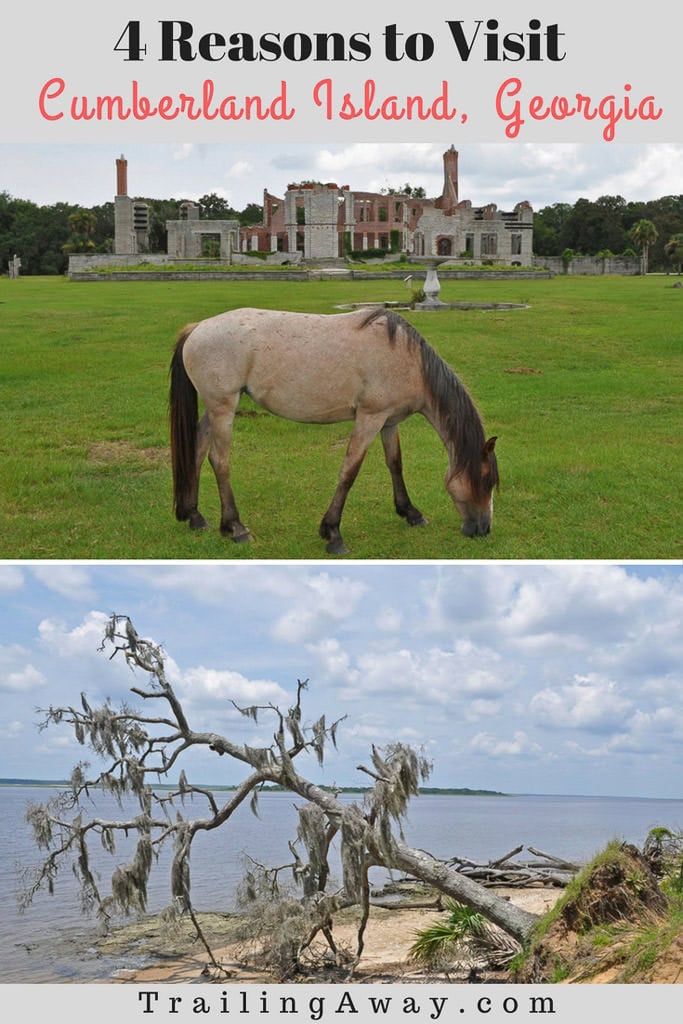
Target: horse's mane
456,412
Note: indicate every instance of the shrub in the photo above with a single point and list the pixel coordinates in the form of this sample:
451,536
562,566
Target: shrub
368,254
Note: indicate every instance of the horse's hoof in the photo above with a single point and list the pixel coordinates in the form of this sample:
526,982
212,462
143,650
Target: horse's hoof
418,522
198,522
337,547
242,538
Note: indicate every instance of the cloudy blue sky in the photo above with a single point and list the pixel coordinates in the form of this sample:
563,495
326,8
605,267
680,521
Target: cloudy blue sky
557,678
501,173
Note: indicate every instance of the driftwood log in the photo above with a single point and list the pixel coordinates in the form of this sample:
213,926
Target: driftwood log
546,871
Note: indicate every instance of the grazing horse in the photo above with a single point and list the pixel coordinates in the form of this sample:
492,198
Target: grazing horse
373,368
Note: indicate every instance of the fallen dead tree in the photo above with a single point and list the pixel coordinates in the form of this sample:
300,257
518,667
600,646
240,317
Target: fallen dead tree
142,745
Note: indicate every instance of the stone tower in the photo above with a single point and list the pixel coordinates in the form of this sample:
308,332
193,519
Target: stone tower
131,219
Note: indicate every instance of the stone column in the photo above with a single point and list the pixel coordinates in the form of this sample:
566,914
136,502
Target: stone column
290,219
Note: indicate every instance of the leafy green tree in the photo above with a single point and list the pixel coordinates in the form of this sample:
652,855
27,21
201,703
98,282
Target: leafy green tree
104,227
592,226
548,225
214,207
545,240
414,191
251,214
38,235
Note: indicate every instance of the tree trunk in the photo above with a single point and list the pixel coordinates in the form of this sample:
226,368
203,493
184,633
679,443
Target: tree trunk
516,922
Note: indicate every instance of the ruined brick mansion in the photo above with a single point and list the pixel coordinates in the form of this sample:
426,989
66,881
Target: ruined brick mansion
327,221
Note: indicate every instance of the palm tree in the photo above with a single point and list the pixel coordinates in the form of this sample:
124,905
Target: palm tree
673,250
466,934
83,224
643,234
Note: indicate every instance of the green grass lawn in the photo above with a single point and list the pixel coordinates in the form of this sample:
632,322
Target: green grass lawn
583,389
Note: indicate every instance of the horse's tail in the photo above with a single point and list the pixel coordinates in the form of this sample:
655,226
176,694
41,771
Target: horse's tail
183,415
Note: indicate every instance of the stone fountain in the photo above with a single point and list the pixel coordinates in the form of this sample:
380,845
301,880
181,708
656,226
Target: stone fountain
431,301
431,288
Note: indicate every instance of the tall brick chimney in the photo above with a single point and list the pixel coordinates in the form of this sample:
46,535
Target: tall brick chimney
122,176
449,196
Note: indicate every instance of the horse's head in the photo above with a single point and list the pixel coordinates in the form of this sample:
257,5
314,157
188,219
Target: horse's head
472,492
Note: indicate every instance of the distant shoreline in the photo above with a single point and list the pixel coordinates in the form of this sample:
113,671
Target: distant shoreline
425,791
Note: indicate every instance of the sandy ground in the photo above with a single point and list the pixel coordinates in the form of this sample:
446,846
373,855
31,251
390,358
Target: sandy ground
388,937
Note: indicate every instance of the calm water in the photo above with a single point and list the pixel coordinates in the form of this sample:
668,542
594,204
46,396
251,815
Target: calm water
52,941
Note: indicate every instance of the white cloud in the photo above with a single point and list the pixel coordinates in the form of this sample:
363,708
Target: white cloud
435,675
215,685
23,680
70,581
477,709
493,746
370,166
588,608
590,703
18,673
83,639
655,171
241,169
71,660
612,746
321,599
336,597
311,600
660,725
333,663
380,733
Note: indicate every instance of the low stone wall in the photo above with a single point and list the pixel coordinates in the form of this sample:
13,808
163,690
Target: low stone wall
190,275
299,275
590,265
83,263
